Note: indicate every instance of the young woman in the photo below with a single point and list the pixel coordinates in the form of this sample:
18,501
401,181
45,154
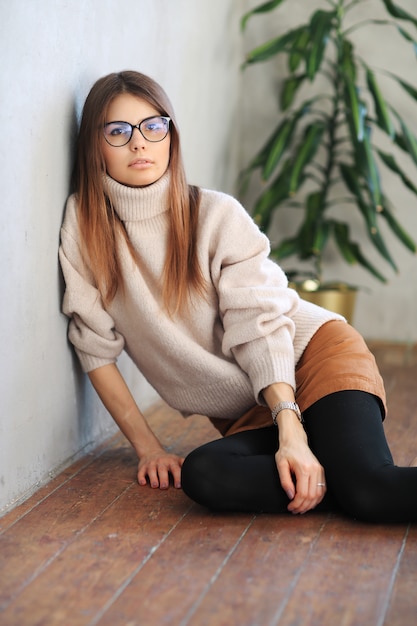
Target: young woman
179,277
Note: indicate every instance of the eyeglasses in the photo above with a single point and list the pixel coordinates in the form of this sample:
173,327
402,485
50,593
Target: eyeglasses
154,129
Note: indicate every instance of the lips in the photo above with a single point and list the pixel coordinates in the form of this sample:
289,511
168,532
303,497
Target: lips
140,162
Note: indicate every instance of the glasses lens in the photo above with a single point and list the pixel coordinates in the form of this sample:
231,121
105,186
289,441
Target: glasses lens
117,133
155,128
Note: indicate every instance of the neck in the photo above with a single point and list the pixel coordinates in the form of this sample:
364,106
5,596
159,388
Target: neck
136,203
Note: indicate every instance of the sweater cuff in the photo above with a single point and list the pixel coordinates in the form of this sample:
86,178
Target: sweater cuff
263,374
89,362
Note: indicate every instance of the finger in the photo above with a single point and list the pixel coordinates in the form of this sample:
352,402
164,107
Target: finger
301,501
176,474
153,477
176,471
142,476
163,478
317,488
322,488
285,478
310,492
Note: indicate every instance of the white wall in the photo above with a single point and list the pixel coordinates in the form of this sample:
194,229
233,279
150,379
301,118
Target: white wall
383,311
51,52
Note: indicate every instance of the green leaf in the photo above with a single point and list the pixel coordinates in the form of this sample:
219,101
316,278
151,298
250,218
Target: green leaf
243,182
310,144
351,251
372,173
262,8
298,51
397,229
401,142
408,37
410,140
412,91
311,224
390,162
374,234
320,238
348,63
289,90
399,13
260,159
367,264
341,235
272,197
277,147
272,47
262,156
381,109
354,110
320,27
286,248
352,180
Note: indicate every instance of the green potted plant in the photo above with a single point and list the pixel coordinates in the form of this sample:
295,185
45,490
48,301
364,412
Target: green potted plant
322,153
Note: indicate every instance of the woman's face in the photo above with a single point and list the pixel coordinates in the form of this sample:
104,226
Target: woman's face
139,162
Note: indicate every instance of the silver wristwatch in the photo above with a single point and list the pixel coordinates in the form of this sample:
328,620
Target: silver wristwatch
286,405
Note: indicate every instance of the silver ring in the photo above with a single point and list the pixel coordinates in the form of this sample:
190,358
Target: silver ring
321,484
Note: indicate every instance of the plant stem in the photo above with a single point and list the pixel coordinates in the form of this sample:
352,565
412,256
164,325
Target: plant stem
333,117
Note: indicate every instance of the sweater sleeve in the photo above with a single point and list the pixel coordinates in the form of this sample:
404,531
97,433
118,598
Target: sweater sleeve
91,329
255,302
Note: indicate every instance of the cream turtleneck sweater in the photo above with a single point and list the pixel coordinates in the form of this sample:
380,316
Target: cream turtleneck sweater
248,333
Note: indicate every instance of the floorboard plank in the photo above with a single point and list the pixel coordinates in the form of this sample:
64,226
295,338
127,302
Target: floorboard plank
258,579
402,609
38,537
348,577
100,561
168,587
59,478
49,544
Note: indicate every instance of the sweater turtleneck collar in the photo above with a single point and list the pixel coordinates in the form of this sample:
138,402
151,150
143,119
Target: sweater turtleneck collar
139,203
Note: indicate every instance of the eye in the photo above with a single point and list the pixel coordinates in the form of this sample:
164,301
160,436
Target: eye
156,124
114,129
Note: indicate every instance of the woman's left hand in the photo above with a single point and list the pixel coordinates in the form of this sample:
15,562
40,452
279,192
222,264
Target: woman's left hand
301,475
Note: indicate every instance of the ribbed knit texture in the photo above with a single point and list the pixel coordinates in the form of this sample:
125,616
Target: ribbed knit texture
215,360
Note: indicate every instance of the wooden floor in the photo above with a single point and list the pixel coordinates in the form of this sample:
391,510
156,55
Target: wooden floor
94,548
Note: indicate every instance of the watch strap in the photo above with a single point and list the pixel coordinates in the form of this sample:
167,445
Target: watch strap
293,406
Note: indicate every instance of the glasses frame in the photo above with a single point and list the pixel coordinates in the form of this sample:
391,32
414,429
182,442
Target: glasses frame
138,126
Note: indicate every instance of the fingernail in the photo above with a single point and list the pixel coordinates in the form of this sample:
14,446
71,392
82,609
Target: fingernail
290,494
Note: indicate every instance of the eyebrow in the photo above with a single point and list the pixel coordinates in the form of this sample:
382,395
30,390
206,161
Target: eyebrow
149,117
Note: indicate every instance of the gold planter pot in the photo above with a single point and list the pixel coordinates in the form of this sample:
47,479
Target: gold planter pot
337,297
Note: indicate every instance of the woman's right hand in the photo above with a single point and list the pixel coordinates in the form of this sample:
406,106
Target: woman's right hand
157,466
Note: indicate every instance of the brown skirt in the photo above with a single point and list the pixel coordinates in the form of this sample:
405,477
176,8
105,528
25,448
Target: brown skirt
336,359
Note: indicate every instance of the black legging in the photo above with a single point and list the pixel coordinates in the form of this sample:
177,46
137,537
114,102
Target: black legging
345,432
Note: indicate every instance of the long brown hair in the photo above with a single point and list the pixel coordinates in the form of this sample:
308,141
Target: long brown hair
98,222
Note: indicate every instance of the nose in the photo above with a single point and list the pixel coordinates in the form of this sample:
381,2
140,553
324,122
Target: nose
137,141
